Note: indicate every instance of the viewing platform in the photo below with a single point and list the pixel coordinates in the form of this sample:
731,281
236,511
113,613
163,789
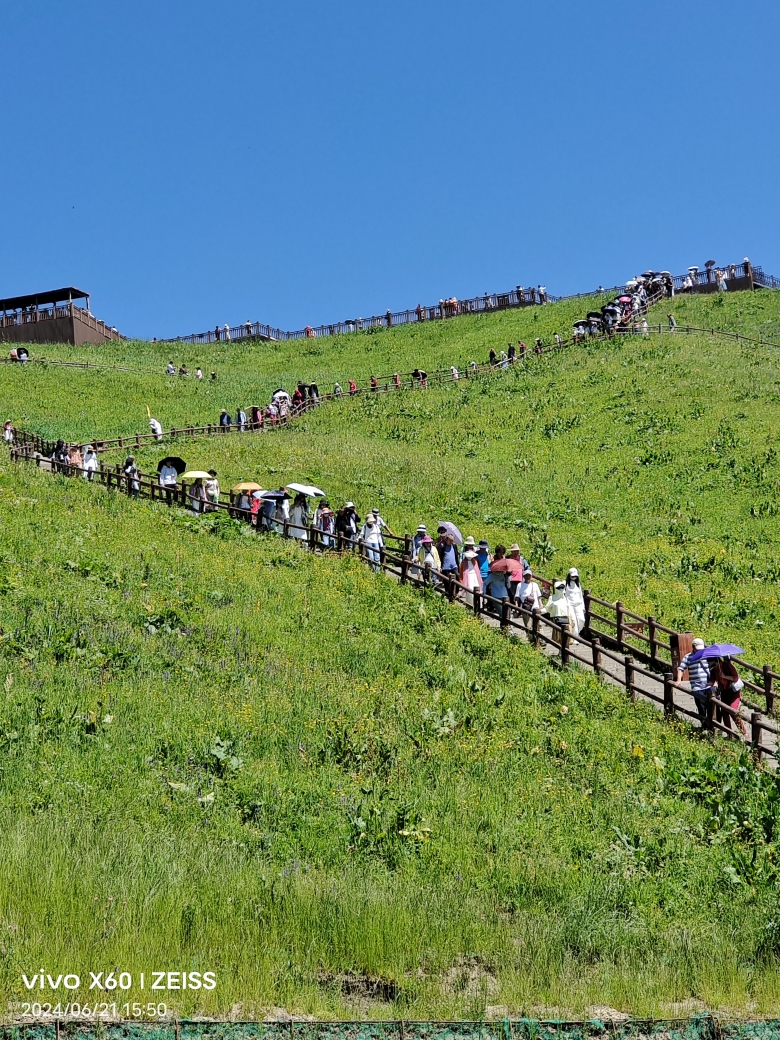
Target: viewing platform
52,317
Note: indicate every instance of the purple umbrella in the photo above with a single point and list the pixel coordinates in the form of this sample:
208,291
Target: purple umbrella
452,529
716,650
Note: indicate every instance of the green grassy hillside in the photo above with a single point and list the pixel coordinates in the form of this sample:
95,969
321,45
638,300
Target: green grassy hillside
220,754
649,464
84,404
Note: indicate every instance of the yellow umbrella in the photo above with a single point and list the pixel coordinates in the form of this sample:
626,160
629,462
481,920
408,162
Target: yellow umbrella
247,485
195,474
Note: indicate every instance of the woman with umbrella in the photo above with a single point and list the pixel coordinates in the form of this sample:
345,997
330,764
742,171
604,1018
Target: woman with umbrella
299,517
241,500
497,585
197,494
724,678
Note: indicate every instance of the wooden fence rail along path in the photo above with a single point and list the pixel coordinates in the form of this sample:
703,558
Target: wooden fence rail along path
745,276
27,439
618,645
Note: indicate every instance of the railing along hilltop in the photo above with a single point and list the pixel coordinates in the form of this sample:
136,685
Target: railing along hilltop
488,302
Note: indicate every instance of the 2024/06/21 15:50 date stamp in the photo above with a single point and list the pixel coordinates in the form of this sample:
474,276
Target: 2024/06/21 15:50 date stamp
103,982
74,1010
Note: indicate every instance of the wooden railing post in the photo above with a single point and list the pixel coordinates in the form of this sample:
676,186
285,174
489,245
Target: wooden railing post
668,695
404,569
619,623
505,608
595,647
536,615
477,597
653,636
586,596
451,593
628,665
755,736
769,688
564,645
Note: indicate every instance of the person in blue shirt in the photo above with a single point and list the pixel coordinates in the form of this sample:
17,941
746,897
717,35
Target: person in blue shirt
448,554
484,559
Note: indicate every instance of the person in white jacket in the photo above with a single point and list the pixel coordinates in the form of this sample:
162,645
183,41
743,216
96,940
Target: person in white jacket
576,599
371,537
90,464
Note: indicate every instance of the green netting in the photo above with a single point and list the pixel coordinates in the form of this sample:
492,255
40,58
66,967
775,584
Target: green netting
702,1027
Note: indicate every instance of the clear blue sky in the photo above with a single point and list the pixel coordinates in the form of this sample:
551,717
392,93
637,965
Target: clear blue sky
196,163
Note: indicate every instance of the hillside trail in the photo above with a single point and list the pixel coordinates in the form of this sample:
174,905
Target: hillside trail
643,685
645,688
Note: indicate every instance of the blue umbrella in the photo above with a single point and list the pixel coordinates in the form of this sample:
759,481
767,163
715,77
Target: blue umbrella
716,650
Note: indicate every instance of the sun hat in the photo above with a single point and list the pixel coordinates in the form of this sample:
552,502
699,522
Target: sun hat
698,644
559,585
573,572
469,554
483,543
469,541
527,574
514,548
427,540
421,527
375,511
349,505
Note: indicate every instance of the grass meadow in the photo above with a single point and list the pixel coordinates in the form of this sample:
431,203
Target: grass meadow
650,465
220,753
79,405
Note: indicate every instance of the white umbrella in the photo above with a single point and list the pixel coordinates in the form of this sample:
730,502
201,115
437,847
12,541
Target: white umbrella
450,528
306,489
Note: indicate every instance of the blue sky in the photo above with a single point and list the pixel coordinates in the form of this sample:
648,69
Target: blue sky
196,163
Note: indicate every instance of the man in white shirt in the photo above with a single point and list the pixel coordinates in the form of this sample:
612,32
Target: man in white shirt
381,525
168,479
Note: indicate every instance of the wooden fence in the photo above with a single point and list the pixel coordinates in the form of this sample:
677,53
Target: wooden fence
617,644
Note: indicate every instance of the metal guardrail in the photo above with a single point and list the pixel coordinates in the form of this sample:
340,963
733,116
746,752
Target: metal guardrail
488,302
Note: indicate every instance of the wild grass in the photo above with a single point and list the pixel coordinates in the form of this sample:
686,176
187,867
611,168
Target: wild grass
219,753
650,465
84,404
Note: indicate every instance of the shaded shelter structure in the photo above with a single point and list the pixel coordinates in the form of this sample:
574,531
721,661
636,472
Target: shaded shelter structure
52,317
